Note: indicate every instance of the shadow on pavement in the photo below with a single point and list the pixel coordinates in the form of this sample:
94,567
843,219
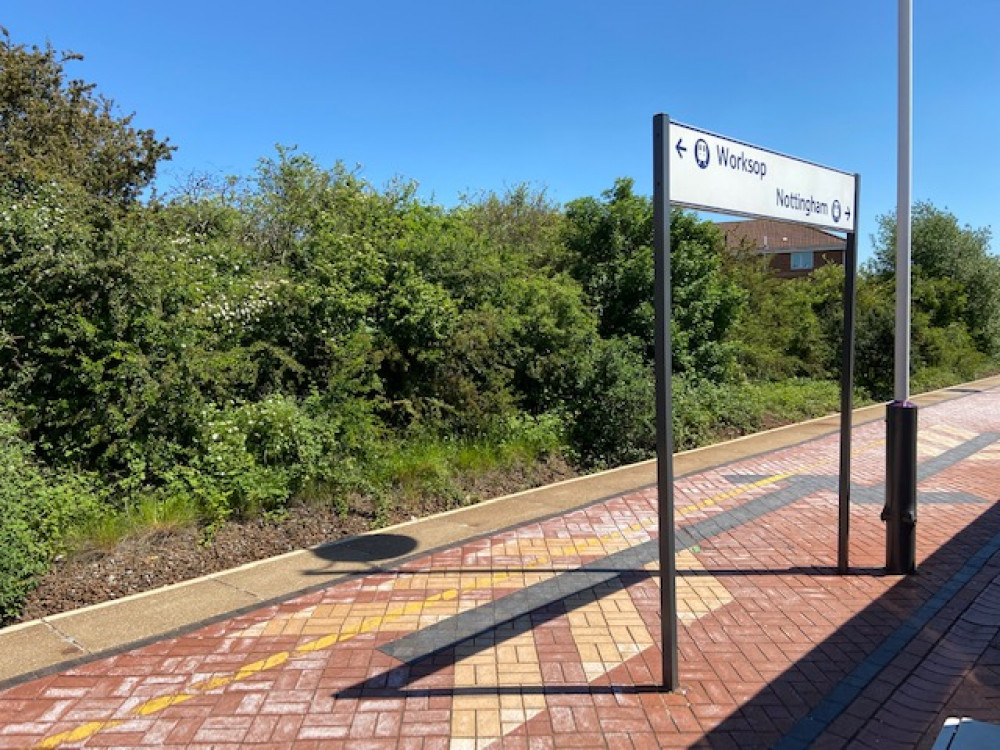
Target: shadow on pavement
801,704
367,548
440,651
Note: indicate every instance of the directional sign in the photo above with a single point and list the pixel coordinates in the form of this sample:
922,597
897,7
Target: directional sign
715,173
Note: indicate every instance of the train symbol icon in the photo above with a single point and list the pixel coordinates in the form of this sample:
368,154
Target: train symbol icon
701,154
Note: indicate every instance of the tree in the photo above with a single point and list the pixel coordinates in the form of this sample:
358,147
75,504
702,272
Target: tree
54,128
78,317
955,277
611,244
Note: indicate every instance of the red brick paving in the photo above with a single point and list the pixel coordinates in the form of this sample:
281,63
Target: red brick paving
768,633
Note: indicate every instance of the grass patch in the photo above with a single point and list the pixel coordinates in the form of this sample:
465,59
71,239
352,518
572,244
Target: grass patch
442,469
934,378
705,413
149,514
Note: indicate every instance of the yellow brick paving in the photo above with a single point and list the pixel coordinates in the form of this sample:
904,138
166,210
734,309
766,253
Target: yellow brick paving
699,594
478,720
357,619
988,455
942,438
607,632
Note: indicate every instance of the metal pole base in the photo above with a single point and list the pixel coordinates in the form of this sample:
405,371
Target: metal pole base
900,512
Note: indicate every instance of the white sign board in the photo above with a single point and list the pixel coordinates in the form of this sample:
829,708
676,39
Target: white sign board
716,173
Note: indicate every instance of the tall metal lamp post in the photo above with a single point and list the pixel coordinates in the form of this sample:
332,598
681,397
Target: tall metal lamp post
900,513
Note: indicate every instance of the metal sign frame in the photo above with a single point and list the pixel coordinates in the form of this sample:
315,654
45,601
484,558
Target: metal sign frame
664,392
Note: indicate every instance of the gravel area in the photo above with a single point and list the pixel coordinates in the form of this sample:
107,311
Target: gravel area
166,556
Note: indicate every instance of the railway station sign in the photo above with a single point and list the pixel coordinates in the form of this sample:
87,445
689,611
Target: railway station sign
698,169
715,173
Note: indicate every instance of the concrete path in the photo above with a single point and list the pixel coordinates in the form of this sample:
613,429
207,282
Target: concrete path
533,621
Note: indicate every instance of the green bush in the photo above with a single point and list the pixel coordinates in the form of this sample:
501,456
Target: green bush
37,509
706,412
612,411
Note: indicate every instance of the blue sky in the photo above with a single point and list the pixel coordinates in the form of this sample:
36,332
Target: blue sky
470,96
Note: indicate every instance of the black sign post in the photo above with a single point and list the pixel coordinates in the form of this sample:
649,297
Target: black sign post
664,399
847,389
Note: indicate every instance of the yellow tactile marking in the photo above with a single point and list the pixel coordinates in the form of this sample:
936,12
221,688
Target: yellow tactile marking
395,613
79,734
767,481
535,553
988,454
358,627
352,625
953,431
938,439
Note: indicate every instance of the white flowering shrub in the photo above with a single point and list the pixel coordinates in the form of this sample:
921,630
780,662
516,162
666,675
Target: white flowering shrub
255,457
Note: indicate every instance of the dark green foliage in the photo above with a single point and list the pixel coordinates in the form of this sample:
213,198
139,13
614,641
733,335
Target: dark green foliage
59,129
955,277
874,340
955,319
790,328
705,302
611,244
613,419
611,250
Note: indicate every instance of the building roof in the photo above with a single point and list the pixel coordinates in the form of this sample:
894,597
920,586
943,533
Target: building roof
770,236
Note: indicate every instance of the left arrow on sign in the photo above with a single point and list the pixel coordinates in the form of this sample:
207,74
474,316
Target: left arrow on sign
680,149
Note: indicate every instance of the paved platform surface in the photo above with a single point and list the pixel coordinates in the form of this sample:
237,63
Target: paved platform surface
545,634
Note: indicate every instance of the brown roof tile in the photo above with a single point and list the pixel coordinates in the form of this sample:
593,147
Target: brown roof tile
776,236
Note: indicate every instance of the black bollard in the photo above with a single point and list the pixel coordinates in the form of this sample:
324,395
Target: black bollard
900,512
